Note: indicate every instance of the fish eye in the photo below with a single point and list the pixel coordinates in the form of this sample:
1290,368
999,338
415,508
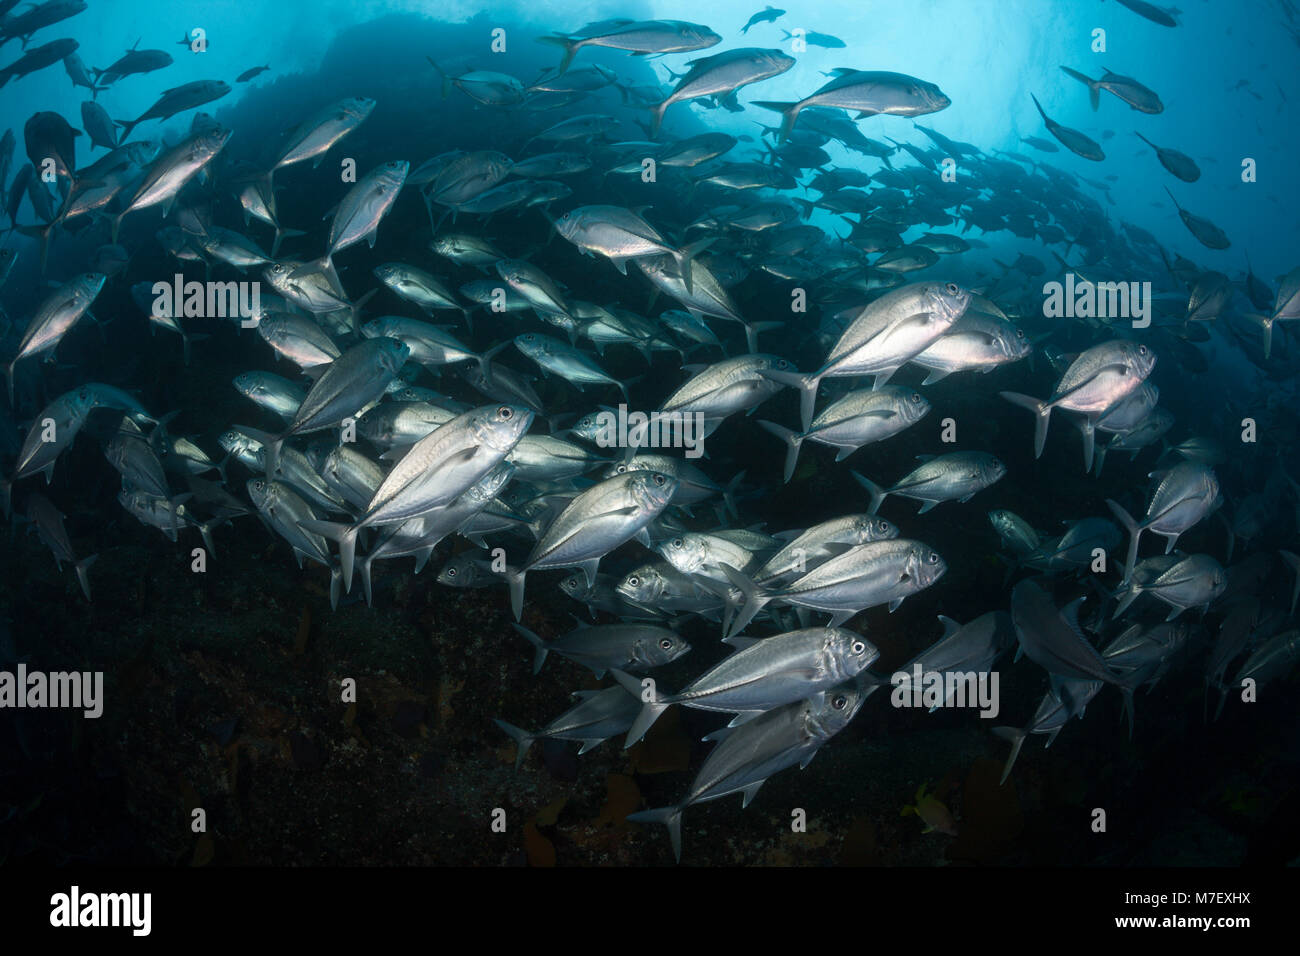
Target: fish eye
882,526
858,647
620,469
916,396
666,644
933,558
840,702
1020,334
678,543
505,413
659,480
1142,350
451,572
634,581
951,288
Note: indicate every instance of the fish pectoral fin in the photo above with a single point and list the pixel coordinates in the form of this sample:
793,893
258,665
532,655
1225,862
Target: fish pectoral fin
750,792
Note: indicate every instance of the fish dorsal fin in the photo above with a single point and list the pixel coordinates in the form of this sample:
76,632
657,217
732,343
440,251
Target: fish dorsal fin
950,627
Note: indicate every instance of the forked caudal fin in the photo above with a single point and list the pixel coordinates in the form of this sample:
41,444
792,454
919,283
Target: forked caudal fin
671,817
522,738
807,385
1042,412
1135,533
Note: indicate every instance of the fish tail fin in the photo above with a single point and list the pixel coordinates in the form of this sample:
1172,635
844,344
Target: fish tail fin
205,532
793,441
9,377
685,256
280,235
754,597
789,114
446,80
516,580
729,505
657,111
571,48
1043,415
83,579
271,452
807,385
344,534
1088,429
1017,738
650,710
522,738
541,650
1128,705
877,493
671,817
1134,532
1094,90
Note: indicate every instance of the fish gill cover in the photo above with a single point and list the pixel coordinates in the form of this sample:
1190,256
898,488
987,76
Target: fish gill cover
531,424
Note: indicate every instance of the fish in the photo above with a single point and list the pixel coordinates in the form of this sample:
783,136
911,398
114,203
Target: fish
251,73
594,523
867,575
316,135
722,75
169,173
1187,493
818,39
1095,381
98,126
1125,88
178,99
769,14
1150,11
635,36
867,93
54,318
598,716
36,17
761,675
356,378
38,58
1179,164
956,476
133,61
857,419
883,337
749,754
629,647
1206,232
483,86
1071,139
